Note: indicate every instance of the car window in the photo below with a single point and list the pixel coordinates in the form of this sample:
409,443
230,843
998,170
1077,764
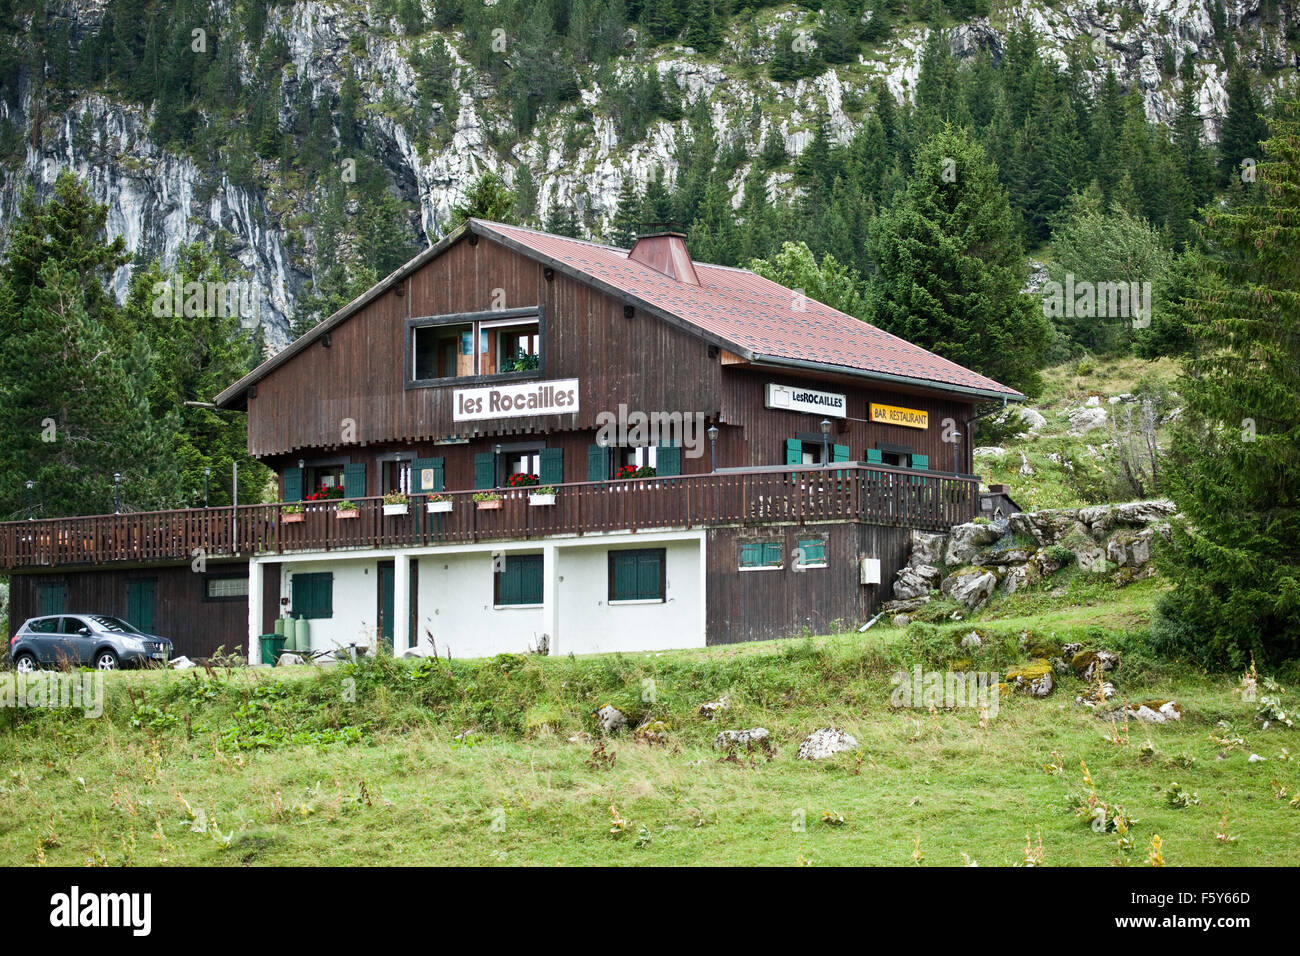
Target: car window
71,625
114,624
43,625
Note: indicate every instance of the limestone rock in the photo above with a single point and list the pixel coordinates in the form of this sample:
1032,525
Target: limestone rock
971,589
966,540
1031,419
825,743
755,738
1089,418
1088,664
712,708
610,719
1145,512
927,548
1034,679
916,582
901,620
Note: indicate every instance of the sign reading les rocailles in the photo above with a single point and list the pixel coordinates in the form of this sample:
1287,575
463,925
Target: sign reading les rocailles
515,401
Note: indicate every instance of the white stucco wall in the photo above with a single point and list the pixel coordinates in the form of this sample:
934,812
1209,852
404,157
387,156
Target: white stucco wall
455,594
455,605
356,596
589,624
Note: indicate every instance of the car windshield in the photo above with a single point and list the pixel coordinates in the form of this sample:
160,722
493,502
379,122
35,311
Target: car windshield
114,624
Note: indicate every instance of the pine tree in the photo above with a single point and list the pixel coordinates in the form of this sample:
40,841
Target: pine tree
951,270
1236,453
488,198
1243,128
625,222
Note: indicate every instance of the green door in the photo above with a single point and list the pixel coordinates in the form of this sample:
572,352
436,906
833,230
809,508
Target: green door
386,571
141,593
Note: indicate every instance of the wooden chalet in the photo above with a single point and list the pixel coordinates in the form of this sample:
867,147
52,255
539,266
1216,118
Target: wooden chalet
728,460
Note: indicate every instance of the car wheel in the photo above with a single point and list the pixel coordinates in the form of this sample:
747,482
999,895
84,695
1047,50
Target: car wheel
106,661
26,663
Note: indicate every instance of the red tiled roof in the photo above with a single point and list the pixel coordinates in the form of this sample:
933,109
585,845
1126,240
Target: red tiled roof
755,314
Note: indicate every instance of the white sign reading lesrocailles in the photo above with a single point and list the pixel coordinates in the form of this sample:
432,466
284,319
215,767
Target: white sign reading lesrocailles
515,401
806,400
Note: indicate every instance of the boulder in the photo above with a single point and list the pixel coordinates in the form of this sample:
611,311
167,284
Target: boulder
1009,556
1031,419
712,708
1099,518
1096,695
966,540
916,582
971,641
1090,559
755,738
610,719
901,620
1020,577
825,743
1156,711
971,589
927,548
1088,664
990,451
1084,420
1145,512
652,732
1034,679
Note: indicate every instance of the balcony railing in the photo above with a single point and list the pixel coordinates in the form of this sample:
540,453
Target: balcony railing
787,495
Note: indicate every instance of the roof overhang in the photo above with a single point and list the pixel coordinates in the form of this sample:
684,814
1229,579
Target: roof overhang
776,361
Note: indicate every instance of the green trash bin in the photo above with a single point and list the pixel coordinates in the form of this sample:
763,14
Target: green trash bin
272,648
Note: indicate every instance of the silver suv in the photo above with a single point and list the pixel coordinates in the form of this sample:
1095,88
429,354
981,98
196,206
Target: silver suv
97,640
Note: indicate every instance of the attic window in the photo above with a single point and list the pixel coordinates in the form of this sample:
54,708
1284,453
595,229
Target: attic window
474,345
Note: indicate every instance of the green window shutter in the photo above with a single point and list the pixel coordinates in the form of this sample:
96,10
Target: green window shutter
597,463
874,457
840,453
751,555
921,462
434,465
668,461
647,575
813,550
623,585
552,466
771,554
313,595
530,579
293,484
354,480
793,451
485,470
520,580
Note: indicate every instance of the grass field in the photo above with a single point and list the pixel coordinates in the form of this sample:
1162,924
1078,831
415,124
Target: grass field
362,765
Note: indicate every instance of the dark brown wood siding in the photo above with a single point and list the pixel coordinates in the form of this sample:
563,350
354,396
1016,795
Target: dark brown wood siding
641,361
762,605
197,627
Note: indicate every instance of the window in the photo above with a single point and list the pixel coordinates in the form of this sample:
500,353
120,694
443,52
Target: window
643,456
225,589
514,347
760,555
396,475
46,625
811,553
521,462
519,581
326,478
637,575
443,351
500,343
313,595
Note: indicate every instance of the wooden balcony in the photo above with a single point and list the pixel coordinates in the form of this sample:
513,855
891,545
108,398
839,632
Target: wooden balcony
761,496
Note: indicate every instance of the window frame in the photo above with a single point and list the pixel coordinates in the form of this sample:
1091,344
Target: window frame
663,576
821,541
208,597
480,323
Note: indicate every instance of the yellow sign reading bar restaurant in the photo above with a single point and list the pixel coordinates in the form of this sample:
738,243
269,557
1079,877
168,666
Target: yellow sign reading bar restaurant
892,415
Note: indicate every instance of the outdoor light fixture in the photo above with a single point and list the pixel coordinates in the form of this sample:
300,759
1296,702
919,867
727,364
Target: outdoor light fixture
117,493
713,447
207,474
30,485
956,443
826,440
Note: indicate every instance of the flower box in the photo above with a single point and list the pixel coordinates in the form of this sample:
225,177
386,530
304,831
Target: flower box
396,509
294,517
438,507
347,514
491,504
541,500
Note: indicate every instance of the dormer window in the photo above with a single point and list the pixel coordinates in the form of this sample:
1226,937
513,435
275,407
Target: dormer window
503,343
